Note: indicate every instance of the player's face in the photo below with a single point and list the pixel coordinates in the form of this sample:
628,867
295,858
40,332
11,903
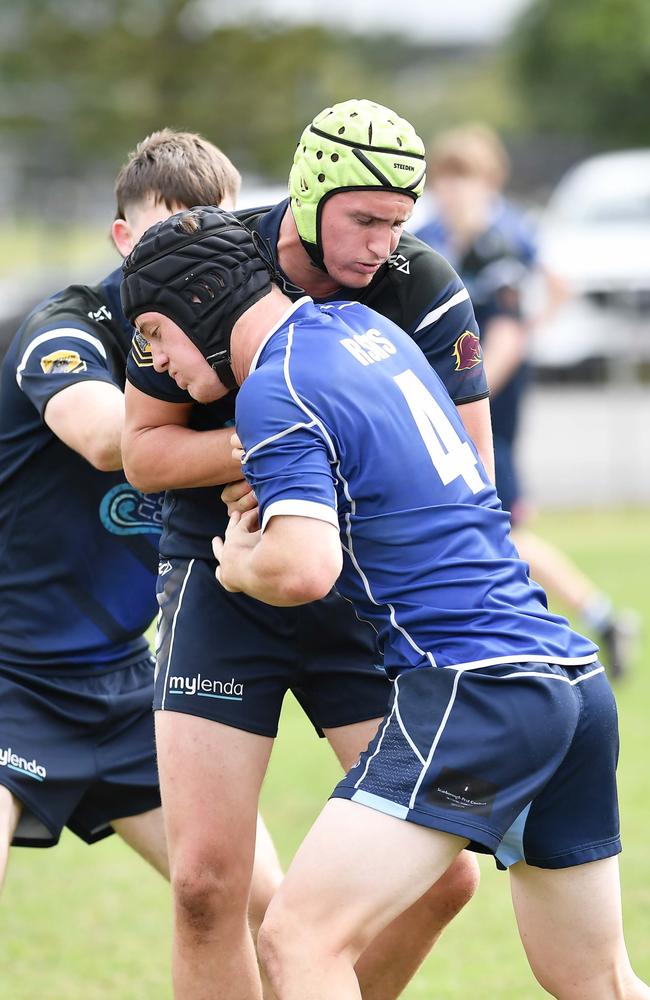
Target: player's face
359,232
173,352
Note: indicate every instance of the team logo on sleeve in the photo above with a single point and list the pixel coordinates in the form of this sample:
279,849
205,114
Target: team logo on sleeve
141,351
467,351
126,511
62,363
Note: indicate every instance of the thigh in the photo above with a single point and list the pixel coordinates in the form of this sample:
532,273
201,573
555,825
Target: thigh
340,681
349,742
332,891
220,656
570,925
145,833
210,779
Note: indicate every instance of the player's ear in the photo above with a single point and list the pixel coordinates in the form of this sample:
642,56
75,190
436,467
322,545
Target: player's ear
122,237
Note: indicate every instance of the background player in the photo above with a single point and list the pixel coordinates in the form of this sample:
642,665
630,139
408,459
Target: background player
489,242
80,551
357,171
502,731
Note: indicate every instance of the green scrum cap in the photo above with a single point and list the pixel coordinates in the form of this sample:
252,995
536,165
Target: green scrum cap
353,146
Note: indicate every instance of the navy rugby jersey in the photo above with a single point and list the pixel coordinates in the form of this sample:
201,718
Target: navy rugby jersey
78,547
342,419
417,289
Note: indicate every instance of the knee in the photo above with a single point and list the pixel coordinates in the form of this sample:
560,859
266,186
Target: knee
273,941
454,889
207,892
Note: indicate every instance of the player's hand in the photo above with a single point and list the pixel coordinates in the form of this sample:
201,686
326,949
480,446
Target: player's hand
239,497
242,536
237,447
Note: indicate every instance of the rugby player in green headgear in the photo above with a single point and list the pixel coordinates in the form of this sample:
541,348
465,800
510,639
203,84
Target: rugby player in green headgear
357,172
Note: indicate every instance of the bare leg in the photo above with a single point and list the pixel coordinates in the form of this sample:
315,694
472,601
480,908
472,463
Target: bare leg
571,927
10,810
331,904
210,777
145,833
390,961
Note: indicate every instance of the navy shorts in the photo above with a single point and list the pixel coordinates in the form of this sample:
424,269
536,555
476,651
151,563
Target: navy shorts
77,751
519,758
229,658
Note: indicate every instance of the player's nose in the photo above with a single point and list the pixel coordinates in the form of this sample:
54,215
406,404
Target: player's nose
379,243
159,358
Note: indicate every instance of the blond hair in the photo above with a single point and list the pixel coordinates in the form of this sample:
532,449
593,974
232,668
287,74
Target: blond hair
470,150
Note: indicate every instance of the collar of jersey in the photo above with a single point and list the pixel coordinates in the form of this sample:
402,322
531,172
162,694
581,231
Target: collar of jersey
274,329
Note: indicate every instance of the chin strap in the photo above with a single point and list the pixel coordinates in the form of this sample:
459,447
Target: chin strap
220,363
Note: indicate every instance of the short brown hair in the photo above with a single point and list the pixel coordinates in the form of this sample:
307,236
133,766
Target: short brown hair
178,168
470,150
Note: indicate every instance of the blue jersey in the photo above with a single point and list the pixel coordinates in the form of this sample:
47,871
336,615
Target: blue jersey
343,419
78,546
417,289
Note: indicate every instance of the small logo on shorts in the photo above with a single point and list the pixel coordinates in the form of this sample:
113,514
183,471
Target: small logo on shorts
231,690
457,790
17,763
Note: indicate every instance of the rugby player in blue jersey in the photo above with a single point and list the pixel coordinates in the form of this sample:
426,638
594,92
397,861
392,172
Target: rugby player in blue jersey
501,734
489,242
80,551
225,662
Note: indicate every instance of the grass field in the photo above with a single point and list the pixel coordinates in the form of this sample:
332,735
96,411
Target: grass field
80,923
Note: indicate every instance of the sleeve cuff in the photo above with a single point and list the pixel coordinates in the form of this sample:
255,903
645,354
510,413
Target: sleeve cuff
301,508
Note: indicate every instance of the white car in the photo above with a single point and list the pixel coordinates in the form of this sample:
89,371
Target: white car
595,234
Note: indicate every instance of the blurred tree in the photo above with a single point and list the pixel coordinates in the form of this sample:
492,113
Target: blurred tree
584,68
84,78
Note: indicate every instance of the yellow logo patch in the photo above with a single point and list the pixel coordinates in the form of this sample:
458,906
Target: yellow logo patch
62,363
467,351
141,351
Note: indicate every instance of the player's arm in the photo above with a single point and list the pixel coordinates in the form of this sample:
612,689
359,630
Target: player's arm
88,417
477,423
161,452
296,559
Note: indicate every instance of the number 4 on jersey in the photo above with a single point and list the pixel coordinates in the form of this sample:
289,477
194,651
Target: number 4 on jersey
451,457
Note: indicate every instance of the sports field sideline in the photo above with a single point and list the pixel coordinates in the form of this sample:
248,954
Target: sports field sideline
94,924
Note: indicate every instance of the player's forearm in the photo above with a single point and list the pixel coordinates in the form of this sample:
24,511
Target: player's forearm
272,572
476,419
174,457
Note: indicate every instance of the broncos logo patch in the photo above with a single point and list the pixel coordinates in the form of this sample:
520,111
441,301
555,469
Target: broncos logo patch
141,351
467,351
62,363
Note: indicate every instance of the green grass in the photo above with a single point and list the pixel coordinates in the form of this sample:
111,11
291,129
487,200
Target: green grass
81,923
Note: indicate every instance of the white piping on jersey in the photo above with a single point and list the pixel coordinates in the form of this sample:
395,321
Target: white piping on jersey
276,326
173,635
377,748
561,661
459,673
350,550
301,508
435,314
275,437
42,338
